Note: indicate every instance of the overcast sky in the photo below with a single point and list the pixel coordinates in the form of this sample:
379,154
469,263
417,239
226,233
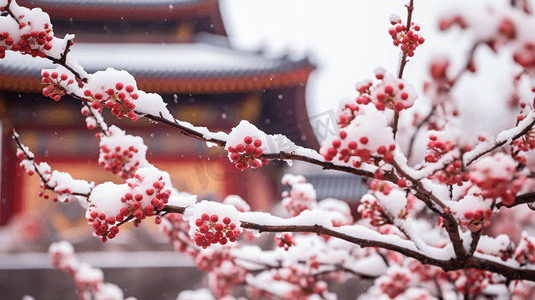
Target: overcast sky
348,39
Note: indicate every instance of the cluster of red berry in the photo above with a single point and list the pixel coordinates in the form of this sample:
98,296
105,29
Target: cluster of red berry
451,174
390,93
348,114
305,284
395,282
525,252
157,195
476,219
471,281
285,241
525,55
247,155
437,148
120,102
369,208
53,88
352,150
492,174
59,193
301,197
104,226
388,98
32,42
523,144
114,160
406,38
447,22
210,231
176,230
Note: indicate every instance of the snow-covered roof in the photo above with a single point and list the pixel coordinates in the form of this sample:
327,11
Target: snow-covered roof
162,61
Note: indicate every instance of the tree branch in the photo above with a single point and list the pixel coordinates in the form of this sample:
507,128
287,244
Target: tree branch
520,199
500,143
450,265
41,176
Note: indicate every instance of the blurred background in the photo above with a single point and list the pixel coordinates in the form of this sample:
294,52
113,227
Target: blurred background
281,64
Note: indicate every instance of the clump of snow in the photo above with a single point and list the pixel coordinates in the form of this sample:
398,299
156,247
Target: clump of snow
200,294
494,246
498,166
290,179
182,199
271,144
395,203
106,198
238,202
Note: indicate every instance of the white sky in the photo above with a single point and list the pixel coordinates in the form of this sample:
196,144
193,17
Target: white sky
348,39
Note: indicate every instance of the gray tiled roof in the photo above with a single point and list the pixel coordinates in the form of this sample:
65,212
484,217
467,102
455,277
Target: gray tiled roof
158,60
342,187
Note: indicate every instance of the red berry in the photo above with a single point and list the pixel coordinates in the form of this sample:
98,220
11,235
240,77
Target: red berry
257,143
248,140
205,217
138,214
124,211
258,151
214,218
336,143
149,209
226,220
119,86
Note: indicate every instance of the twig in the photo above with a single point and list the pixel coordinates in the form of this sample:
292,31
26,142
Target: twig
32,159
418,127
404,61
520,199
501,143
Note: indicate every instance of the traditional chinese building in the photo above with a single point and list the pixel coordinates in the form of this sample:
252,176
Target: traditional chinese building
177,48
